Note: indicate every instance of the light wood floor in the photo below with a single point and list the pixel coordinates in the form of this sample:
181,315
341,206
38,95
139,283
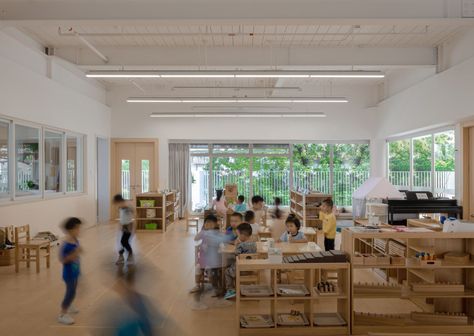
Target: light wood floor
29,302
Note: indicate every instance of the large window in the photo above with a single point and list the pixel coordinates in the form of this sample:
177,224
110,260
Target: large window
351,168
271,170
27,152
4,169
399,163
53,145
37,161
425,163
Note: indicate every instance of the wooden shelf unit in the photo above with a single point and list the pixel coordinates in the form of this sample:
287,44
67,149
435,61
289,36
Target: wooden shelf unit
312,273
164,207
305,207
429,301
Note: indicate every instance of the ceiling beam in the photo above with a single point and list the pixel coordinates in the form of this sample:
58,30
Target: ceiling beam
149,58
225,10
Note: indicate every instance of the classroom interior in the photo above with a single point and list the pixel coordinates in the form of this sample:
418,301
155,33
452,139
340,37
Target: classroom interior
366,105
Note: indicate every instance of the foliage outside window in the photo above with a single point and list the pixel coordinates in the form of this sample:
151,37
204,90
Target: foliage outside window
424,163
265,170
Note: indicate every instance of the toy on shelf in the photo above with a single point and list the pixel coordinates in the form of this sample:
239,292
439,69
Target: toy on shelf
440,318
328,319
326,288
460,258
294,318
256,321
379,319
427,259
374,288
437,287
256,290
292,290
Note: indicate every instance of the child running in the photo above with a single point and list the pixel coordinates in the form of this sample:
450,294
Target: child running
69,257
126,226
245,246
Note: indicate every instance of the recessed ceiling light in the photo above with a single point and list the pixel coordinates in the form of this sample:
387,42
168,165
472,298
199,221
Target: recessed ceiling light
233,74
239,115
237,100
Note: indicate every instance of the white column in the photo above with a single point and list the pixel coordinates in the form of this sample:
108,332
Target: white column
378,158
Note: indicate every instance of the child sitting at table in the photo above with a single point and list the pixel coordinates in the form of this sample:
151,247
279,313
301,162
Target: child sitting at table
209,259
245,246
293,233
329,224
250,218
235,219
258,207
240,205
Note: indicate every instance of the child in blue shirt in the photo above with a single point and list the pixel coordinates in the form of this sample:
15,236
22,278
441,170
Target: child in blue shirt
231,232
240,205
293,233
244,246
69,257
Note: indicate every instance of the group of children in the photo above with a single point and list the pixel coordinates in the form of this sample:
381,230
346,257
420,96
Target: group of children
242,232
70,252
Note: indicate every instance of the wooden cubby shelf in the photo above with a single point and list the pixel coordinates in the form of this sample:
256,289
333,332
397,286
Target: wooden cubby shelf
306,207
316,308
160,215
434,298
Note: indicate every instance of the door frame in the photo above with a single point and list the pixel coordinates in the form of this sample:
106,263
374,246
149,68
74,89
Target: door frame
465,182
109,180
113,176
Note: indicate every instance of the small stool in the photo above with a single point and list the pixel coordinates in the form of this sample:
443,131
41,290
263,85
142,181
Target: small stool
191,221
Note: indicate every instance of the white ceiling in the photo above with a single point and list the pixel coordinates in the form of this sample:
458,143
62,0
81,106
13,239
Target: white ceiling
245,35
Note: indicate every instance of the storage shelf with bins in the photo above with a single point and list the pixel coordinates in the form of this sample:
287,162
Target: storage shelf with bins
319,311
438,297
306,207
154,211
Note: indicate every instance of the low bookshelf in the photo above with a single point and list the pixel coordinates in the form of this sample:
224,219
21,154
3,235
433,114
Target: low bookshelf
278,304
155,212
429,285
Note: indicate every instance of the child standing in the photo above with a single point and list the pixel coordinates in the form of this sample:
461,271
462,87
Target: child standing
245,246
277,213
219,204
258,209
69,257
126,226
208,255
293,233
240,205
231,232
329,224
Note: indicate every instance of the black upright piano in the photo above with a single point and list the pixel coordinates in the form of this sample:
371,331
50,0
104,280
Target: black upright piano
422,202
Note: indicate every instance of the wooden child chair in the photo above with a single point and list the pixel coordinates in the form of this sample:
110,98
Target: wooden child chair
191,221
25,246
250,277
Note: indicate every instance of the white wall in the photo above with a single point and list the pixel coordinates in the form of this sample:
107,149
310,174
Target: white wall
27,93
343,122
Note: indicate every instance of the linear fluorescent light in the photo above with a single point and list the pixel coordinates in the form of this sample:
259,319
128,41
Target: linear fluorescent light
239,115
238,100
232,74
